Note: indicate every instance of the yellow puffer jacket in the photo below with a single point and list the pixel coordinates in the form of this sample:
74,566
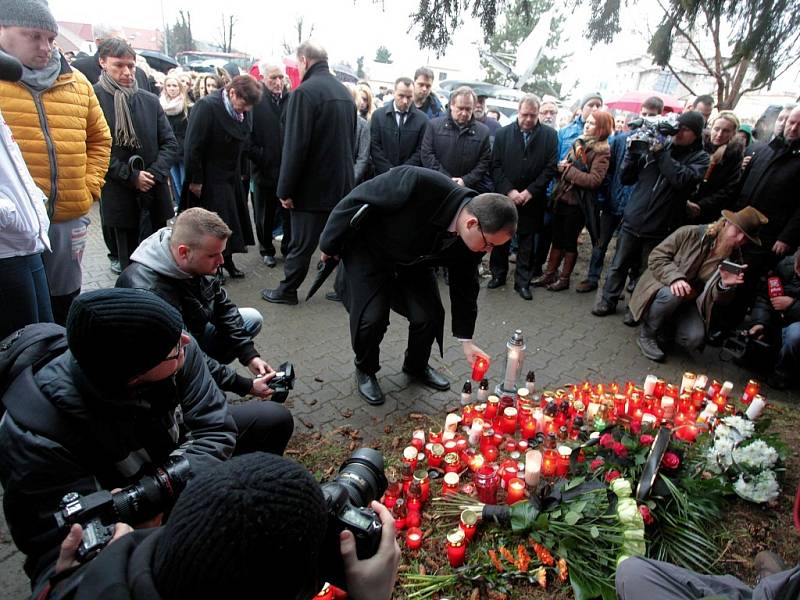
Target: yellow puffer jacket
64,139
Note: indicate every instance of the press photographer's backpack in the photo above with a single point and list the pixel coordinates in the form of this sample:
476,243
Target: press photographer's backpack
32,346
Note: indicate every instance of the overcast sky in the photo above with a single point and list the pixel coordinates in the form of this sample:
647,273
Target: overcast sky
347,28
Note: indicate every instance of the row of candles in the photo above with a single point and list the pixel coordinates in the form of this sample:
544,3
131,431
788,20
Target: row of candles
548,426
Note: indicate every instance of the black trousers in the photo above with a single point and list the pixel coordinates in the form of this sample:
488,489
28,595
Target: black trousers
111,241
263,426
530,224
306,229
127,239
266,208
632,252
568,221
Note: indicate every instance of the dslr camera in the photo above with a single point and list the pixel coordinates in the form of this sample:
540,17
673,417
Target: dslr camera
361,480
748,351
649,131
97,512
282,383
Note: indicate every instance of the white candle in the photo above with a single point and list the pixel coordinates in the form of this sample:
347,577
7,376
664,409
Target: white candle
701,382
668,406
533,468
512,369
687,383
726,389
756,407
451,422
475,432
649,384
538,416
448,435
592,409
649,419
524,394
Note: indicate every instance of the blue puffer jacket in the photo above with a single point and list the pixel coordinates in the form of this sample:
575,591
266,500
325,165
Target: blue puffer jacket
567,136
613,196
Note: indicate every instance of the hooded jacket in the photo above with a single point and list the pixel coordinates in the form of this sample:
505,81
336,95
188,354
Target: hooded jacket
201,299
64,138
127,431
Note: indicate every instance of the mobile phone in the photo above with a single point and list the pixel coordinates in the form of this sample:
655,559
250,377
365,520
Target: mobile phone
731,267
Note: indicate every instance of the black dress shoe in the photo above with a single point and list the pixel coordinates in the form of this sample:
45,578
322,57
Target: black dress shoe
524,291
270,261
629,319
333,297
649,348
603,309
496,282
369,389
276,297
430,377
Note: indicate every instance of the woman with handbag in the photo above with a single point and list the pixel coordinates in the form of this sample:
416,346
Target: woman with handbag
573,199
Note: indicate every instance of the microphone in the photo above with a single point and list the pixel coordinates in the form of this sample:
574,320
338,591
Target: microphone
10,68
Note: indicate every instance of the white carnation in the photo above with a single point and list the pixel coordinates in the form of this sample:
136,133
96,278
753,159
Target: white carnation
744,427
757,455
759,488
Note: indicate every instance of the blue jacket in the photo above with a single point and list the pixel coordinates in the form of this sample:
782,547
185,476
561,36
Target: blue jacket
613,196
567,136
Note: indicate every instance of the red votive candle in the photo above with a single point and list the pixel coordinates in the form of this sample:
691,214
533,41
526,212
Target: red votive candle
468,523
413,518
410,457
486,482
564,455
508,422
452,464
549,463
414,538
450,483
435,434
456,547
492,408
479,368
326,593
490,453
418,440
436,455
515,491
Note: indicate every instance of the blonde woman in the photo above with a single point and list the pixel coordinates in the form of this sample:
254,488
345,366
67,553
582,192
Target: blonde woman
361,166
365,101
175,103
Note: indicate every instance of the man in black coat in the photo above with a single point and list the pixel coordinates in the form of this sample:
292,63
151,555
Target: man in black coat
665,177
266,142
396,130
135,200
415,219
457,145
524,160
317,162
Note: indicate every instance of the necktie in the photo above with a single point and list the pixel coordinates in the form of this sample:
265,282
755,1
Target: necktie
525,137
401,118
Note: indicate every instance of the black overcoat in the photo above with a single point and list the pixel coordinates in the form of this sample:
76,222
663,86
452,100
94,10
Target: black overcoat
406,227
266,139
391,146
516,166
120,201
317,160
213,155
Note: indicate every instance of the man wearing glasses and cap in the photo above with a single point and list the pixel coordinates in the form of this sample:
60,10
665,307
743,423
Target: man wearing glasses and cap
415,219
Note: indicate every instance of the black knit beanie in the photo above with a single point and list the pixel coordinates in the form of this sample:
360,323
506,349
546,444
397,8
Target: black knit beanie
116,334
694,121
252,526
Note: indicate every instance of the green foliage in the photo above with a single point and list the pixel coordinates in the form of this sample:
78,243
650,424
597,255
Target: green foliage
382,55
520,19
179,36
360,67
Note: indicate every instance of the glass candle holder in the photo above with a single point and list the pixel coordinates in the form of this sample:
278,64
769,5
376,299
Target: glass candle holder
468,523
751,390
450,483
487,481
418,439
492,407
515,491
490,453
410,457
549,463
456,547
508,422
413,518
564,456
423,480
435,434
479,368
436,455
452,463
414,538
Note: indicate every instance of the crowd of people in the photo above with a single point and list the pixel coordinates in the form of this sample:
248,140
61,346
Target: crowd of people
392,188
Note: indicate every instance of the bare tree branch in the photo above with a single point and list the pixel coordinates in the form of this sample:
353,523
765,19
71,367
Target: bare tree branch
681,81
688,38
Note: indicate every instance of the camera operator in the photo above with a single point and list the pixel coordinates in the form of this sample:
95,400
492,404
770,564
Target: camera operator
665,176
180,265
776,317
687,275
255,522
131,391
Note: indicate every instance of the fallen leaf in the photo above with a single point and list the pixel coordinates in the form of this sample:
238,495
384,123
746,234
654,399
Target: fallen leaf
307,423
395,442
387,429
476,594
347,413
422,570
416,416
311,402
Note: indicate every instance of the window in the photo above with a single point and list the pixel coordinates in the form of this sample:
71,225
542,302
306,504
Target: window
666,83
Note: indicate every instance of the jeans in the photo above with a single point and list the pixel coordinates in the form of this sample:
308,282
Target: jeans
789,356
178,174
218,347
608,225
24,295
682,313
632,251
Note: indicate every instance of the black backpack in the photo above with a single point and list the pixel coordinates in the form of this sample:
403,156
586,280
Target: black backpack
32,346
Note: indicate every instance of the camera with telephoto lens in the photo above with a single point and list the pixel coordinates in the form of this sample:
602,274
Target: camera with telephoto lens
98,512
282,383
649,131
361,480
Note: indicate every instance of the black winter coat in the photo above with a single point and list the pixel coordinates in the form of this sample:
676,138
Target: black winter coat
466,154
120,201
93,438
391,146
318,147
266,140
771,183
410,211
179,123
213,154
718,189
519,167
664,182
764,314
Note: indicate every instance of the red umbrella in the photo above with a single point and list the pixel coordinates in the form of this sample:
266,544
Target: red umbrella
632,101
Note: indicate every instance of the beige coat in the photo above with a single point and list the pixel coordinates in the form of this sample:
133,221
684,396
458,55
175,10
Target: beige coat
680,256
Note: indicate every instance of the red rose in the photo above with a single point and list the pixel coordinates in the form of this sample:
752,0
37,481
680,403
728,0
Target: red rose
612,475
671,460
646,514
620,450
607,440
636,426
596,463
581,457
646,439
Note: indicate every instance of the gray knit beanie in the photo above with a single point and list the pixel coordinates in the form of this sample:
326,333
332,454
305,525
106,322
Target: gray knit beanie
590,96
32,14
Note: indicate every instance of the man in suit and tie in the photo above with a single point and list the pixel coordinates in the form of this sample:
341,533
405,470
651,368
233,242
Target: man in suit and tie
396,130
524,161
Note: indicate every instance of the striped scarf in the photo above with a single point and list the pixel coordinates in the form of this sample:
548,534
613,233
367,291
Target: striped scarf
124,131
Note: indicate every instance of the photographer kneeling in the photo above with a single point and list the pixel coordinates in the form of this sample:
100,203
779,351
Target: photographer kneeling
255,525
687,274
131,392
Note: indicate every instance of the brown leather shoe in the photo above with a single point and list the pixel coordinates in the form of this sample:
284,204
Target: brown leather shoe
586,286
545,280
559,286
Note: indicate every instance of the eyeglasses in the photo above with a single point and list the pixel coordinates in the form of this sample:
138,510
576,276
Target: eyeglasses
486,243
